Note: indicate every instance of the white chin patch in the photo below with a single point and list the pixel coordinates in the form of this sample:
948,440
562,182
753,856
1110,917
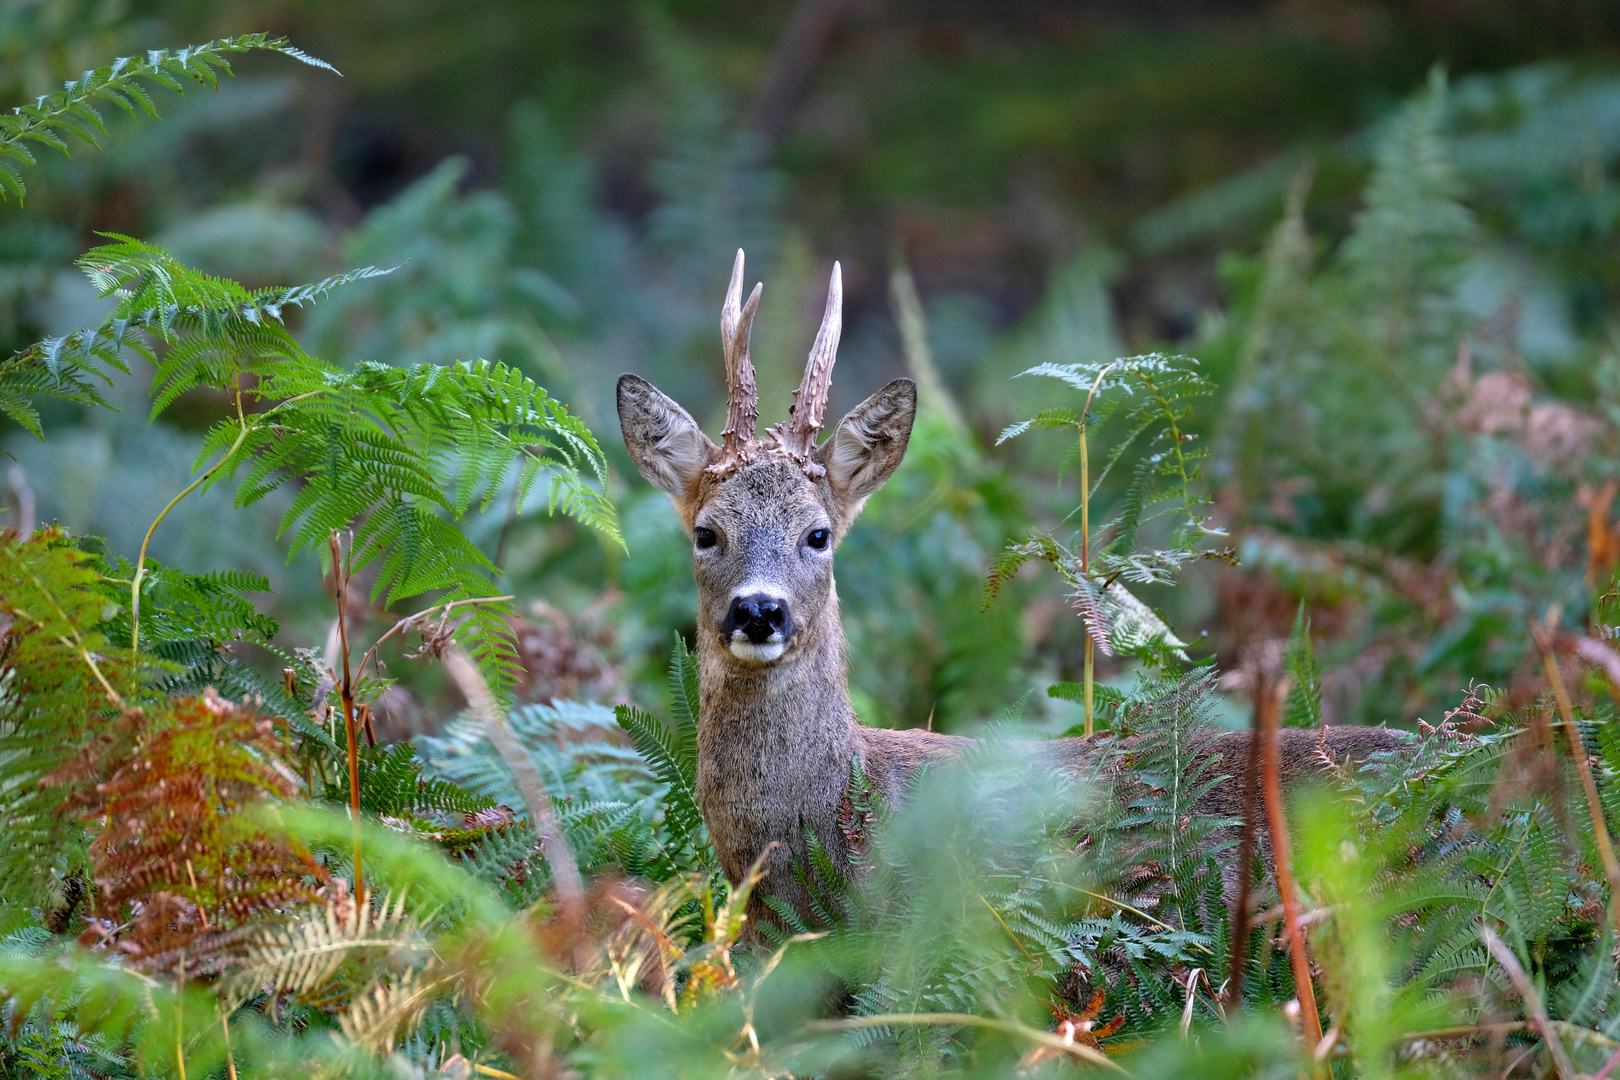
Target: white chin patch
764,653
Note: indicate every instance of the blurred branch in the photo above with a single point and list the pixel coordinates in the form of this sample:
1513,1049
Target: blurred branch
564,869
1539,1021
809,31
22,499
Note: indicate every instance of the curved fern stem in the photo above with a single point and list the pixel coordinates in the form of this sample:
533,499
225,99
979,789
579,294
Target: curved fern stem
95,669
140,563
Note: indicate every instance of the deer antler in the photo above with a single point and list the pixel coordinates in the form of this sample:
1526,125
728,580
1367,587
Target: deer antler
798,435
742,396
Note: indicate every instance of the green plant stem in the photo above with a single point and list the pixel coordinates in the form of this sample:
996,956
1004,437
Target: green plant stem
1570,1031
1003,924
180,1016
532,786
140,563
1089,676
1085,567
1123,906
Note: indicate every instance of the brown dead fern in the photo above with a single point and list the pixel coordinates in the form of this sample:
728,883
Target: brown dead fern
179,866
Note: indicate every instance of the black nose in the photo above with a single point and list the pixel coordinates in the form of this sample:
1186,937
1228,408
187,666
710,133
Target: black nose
758,616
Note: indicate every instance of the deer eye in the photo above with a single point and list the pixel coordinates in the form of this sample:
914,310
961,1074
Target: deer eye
704,538
819,538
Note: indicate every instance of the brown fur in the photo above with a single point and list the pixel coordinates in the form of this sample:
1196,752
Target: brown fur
776,738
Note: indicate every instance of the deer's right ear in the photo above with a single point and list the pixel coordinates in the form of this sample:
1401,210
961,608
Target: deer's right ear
664,441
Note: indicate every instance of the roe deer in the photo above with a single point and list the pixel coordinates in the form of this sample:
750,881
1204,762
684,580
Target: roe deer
776,733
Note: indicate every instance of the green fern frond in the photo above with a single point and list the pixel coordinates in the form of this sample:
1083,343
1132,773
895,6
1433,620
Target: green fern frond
1131,506
72,110
392,785
61,680
390,1007
306,954
1411,238
1304,705
1013,558
683,702
656,744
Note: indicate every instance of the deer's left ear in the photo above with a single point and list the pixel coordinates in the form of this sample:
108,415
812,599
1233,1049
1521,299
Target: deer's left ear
868,444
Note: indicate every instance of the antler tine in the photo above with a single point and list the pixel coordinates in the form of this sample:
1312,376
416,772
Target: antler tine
810,399
742,396
731,310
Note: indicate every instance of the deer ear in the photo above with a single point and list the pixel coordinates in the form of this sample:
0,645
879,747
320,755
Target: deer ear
663,439
867,445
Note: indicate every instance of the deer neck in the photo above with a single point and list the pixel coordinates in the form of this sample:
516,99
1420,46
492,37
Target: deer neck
775,743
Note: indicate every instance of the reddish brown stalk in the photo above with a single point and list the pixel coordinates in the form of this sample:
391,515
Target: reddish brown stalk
1594,806
1240,914
341,578
1266,734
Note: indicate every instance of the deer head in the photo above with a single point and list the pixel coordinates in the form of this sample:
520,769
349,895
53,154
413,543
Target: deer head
766,514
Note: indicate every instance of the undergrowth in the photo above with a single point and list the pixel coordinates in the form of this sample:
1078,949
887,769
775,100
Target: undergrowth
212,871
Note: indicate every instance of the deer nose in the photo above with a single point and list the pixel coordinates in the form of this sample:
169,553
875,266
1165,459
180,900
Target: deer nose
758,617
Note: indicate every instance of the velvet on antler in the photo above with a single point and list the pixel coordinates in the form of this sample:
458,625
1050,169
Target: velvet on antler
742,396
798,436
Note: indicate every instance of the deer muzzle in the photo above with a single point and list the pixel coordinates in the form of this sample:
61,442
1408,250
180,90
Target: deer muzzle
757,627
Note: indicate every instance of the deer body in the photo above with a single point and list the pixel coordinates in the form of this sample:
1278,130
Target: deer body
776,732
775,746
